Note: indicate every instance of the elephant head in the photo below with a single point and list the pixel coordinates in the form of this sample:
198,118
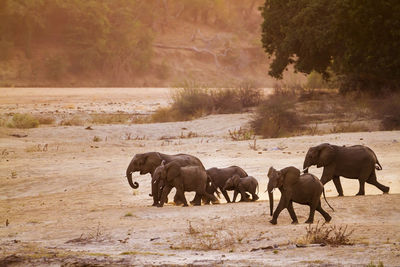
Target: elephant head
283,179
232,182
144,163
321,155
167,173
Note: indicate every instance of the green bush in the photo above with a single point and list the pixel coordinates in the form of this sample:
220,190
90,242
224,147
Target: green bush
23,121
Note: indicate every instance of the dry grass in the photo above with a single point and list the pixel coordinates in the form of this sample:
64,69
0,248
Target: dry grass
327,234
75,120
96,235
118,118
241,134
208,238
37,148
348,127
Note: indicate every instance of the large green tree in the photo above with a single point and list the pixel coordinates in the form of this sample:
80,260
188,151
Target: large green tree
359,40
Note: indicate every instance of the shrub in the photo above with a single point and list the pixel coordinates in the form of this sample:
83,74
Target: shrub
389,112
192,101
23,121
45,119
328,235
250,94
73,121
109,118
276,117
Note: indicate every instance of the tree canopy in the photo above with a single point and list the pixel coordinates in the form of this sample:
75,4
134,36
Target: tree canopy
359,40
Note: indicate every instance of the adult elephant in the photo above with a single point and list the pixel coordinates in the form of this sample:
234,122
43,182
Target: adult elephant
220,175
184,179
354,162
148,162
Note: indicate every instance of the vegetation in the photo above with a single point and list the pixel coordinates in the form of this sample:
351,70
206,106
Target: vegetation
192,101
23,121
357,40
328,235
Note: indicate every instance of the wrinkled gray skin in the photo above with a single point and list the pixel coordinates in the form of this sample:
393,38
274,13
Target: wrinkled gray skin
304,189
184,179
243,185
354,162
220,175
148,162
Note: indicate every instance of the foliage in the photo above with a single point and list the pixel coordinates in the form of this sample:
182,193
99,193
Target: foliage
276,116
358,40
191,100
23,121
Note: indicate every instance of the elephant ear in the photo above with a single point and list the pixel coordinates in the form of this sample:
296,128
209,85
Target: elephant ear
326,155
289,176
173,171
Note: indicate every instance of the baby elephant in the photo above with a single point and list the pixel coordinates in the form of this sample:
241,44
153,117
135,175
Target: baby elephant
242,185
304,189
184,179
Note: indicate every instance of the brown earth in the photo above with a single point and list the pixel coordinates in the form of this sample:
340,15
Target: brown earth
64,198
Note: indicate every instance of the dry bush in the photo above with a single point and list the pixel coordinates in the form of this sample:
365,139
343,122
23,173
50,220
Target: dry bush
328,235
37,148
276,116
109,118
96,139
23,121
348,127
95,235
207,238
241,134
75,120
388,110
45,119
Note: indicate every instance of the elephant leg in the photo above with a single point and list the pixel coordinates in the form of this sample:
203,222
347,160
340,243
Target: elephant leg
213,199
164,194
155,192
326,216
225,194
244,197
372,180
235,193
361,191
338,185
254,197
292,213
196,200
178,199
181,195
283,203
312,212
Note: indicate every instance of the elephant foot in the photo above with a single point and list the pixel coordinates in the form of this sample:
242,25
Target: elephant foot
186,205
255,198
360,194
155,204
309,221
273,221
341,195
215,202
295,222
159,205
386,191
328,219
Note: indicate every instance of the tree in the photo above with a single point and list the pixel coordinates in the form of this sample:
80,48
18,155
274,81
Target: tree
358,40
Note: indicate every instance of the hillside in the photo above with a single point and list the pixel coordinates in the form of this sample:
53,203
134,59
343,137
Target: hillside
132,43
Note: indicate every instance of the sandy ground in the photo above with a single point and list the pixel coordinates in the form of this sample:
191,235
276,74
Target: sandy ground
71,203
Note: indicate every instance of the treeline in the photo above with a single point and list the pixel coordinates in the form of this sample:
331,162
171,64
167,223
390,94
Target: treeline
112,37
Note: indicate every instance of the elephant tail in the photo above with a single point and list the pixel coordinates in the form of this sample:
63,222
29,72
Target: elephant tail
323,191
378,166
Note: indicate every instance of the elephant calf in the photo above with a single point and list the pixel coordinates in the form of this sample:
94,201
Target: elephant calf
184,179
304,189
219,176
242,185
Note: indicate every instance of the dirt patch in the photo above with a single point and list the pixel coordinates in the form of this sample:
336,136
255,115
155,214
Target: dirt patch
70,204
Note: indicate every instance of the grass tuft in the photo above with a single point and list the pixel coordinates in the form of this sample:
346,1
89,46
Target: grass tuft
328,235
23,121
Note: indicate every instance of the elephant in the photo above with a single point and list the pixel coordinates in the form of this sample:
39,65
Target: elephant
243,185
354,162
220,175
184,179
148,162
304,189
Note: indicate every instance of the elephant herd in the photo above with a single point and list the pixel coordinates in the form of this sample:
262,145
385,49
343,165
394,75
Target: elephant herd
186,173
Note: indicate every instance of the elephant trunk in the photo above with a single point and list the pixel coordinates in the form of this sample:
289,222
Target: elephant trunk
129,172
271,202
271,197
306,165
